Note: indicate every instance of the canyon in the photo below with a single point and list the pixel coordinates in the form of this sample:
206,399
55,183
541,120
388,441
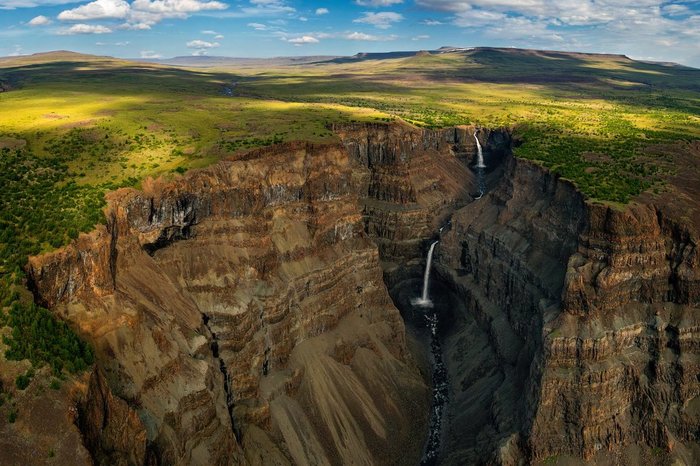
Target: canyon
259,311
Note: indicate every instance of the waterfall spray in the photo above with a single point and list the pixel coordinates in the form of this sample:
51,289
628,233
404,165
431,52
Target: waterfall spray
424,300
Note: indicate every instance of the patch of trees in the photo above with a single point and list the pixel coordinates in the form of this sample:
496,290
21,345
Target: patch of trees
38,336
40,208
233,145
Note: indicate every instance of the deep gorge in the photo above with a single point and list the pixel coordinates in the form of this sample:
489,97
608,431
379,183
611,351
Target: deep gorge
258,311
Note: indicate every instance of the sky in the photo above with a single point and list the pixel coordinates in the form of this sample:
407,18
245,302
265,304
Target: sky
642,29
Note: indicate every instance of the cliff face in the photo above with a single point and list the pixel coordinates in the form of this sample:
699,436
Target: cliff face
589,311
240,313
622,357
504,258
411,180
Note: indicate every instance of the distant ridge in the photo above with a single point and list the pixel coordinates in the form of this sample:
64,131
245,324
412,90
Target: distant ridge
54,56
212,61
474,53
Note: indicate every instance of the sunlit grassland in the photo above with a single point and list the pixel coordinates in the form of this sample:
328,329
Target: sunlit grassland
70,131
589,118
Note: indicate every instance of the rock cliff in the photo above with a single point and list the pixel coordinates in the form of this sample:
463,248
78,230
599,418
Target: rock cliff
239,317
590,311
241,314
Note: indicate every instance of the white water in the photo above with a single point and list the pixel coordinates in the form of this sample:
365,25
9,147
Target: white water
424,300
479,154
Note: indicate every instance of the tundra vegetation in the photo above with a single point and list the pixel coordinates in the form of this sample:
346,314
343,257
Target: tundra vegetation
73,127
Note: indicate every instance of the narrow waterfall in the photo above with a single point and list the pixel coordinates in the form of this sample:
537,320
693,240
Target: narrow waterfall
480,167
479,152
440,380
424,300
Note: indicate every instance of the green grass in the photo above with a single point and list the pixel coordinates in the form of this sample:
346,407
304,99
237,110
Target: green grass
74,127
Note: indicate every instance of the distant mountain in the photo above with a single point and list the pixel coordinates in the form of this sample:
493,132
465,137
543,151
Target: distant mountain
207,61
492,55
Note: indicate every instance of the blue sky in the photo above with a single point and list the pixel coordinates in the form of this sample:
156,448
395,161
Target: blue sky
642,29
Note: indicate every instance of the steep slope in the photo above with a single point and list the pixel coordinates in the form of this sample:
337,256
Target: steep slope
589,310
240,313
570,327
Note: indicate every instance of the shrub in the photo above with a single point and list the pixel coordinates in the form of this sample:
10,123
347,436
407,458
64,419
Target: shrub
22,381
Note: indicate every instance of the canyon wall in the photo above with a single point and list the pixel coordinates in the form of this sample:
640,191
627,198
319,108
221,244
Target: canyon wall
573,326
240,314
239,317
579,332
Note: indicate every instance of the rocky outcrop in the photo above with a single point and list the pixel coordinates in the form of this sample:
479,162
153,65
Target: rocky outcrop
622,356
504,258
411,179
240,311
589,310
112,431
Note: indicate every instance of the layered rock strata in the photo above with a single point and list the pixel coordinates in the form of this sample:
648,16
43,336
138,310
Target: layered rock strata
240,314
239,317
579,331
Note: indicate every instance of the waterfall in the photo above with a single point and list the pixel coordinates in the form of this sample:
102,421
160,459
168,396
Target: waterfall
480,167
424,300
479,152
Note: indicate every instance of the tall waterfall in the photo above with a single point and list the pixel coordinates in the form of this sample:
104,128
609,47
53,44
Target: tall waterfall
424,300
480,153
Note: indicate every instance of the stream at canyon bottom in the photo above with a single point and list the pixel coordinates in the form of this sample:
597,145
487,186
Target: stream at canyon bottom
439,376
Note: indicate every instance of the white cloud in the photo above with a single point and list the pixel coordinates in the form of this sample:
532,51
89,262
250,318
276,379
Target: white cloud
137,26
258,26
675,9
571,12
175,7
421,37
85,29
17,51
150,54
383,20
209,33
140,14
14,4
367,37
218,37
479,18
303,40
432,22
99,9
202,44
322,11
39,21
258,9
378,3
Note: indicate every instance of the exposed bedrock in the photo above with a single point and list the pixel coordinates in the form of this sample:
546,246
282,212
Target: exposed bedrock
581,327
241,313
572,327
411,180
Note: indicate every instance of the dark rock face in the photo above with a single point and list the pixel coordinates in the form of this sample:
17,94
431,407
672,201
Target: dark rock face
112,431
573,325
580,325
